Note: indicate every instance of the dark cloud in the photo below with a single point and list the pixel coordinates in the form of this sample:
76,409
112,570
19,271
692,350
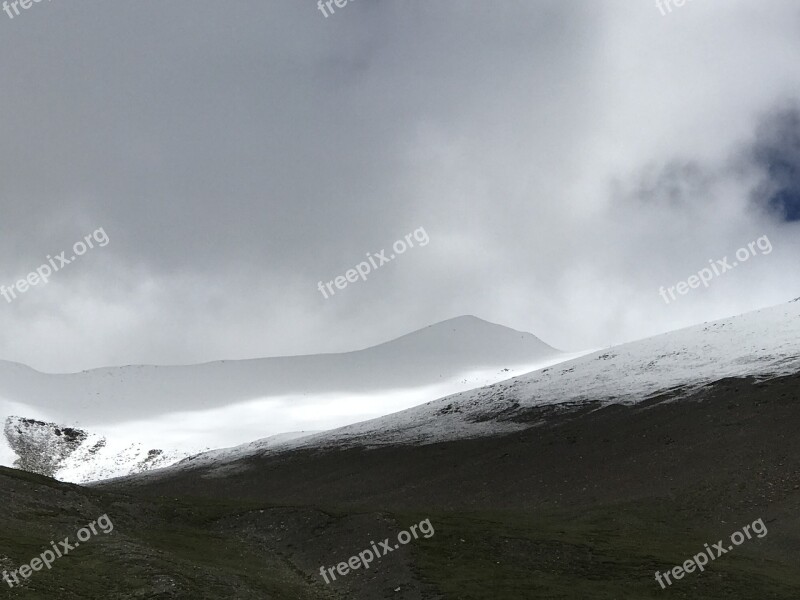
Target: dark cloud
777,153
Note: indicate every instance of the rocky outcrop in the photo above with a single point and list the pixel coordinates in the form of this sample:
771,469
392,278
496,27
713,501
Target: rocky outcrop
41,446
75,454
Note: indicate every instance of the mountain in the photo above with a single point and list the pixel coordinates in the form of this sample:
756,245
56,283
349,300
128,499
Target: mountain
761,344
577,481
152,415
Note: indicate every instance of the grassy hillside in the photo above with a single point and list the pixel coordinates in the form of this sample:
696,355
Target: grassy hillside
586,504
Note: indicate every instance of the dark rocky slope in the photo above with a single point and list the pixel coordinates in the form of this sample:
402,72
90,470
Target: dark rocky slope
586,504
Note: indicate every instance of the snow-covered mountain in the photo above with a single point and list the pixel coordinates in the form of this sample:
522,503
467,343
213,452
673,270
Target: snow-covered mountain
153,415
75,454
764,344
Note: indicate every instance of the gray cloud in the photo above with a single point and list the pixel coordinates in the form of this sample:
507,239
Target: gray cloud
566,159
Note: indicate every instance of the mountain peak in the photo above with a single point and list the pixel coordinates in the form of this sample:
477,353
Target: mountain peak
467,334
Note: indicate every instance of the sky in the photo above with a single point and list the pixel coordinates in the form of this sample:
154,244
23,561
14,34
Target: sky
565,160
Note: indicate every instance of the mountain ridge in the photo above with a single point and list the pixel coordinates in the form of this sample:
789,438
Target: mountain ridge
677,362
182,410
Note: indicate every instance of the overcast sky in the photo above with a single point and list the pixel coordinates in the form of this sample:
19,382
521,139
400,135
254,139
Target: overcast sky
566,158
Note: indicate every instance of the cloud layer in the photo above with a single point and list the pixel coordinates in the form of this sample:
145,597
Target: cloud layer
566,159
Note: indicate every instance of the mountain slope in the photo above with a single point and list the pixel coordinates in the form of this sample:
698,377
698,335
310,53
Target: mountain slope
764,343
584,482
77,455
186,409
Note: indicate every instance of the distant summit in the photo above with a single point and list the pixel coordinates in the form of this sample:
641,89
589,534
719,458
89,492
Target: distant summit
467,340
